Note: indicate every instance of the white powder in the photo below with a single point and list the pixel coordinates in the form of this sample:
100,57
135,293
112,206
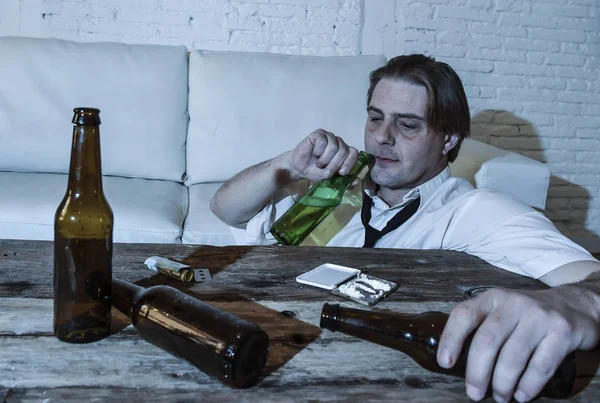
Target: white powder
350,290
364,287
373,282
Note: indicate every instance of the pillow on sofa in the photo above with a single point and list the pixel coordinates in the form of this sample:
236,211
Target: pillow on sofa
248,107
141,91
486,166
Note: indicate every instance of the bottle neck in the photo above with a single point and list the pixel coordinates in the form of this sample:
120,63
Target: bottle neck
331,316
363,160
415,335
337,318
124,294
85,173
343,181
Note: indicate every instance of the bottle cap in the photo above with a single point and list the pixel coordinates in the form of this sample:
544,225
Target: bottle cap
86,116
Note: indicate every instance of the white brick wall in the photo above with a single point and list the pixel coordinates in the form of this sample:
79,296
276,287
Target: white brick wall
530,67
329,27
531,73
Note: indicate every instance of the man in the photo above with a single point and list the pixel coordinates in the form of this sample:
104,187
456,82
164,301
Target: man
418,116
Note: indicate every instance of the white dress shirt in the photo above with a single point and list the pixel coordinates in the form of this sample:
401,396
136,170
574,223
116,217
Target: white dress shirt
452,215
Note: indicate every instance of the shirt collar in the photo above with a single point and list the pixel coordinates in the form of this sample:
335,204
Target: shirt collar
424,190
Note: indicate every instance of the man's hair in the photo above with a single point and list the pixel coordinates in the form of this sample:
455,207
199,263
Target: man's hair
447,106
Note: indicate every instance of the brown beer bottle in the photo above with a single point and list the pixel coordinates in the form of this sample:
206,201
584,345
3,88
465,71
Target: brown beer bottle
418,337
83,228
218,343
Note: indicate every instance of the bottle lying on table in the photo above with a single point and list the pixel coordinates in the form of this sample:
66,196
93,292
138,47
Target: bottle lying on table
217,342
418,337
304,216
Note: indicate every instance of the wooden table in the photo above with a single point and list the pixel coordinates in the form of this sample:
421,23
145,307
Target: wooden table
256,283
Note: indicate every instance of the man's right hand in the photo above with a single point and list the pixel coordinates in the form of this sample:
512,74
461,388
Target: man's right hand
320,155
317,157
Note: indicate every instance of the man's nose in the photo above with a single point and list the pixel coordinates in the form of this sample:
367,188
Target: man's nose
384,135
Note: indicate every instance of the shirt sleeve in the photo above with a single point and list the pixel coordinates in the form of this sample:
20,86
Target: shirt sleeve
513,236
257,231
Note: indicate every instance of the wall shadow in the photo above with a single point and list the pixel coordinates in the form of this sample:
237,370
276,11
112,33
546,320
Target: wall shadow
567,203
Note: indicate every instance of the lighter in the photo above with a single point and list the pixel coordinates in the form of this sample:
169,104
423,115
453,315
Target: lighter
177,270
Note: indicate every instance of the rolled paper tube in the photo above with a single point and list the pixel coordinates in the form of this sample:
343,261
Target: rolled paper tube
176,270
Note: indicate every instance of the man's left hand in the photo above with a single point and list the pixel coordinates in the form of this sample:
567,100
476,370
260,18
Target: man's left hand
521,338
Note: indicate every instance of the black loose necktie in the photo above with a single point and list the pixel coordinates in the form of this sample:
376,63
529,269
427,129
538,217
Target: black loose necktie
371,234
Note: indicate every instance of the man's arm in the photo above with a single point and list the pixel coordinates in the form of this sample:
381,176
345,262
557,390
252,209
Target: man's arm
244,195
570,273
522,337
317,157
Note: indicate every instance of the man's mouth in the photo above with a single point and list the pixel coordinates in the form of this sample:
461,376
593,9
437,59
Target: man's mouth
385,160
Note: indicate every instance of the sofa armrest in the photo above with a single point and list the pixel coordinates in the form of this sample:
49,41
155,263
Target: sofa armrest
486,166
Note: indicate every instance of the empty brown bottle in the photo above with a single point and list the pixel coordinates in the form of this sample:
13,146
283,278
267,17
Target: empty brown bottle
217,342
418,337
83,244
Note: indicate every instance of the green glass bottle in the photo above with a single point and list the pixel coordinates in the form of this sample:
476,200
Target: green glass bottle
304,216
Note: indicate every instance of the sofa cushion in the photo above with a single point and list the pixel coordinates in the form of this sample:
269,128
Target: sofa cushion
141,91
248,107
144,210
201,225
486,166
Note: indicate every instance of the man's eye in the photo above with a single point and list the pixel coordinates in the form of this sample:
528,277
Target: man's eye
403,124
375,119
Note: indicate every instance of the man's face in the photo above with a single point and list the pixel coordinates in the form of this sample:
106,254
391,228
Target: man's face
396,133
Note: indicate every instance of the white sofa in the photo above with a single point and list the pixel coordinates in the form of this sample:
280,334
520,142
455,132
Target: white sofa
175,125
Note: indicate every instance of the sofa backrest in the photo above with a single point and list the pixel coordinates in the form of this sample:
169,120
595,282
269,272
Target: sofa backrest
141,91
248,107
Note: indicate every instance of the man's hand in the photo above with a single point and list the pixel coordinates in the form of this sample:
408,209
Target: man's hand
521,338
317,157
321,155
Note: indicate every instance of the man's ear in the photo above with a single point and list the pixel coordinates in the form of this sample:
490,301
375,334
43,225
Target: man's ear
450,141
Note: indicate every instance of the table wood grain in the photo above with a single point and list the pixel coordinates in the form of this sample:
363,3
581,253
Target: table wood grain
256,283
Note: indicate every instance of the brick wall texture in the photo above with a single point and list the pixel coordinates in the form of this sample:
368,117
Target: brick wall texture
530,67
